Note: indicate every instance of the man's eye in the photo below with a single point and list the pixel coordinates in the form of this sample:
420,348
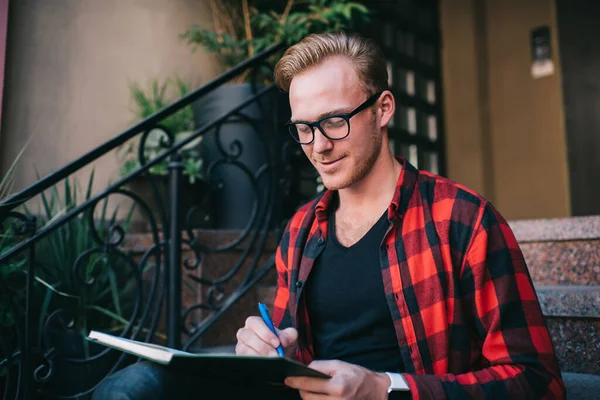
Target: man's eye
304,129
334,123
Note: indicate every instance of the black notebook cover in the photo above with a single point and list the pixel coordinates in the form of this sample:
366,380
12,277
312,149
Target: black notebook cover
224,365
268,369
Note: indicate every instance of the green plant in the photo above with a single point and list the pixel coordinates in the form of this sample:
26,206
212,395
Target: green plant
108,300
180,124
7,181
244,28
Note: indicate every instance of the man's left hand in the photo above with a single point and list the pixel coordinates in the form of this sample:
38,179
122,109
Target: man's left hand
348,381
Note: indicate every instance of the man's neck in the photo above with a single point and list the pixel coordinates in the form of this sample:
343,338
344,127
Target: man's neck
376,190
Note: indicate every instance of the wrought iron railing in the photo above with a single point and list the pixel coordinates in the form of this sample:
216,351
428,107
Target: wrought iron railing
112,287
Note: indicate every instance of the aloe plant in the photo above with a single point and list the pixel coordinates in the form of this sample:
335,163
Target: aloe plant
107,302
63,285
105,305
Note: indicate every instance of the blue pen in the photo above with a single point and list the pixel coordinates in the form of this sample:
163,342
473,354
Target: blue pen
264,313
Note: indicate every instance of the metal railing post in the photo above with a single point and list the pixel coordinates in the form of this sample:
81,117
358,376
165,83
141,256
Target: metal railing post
173,270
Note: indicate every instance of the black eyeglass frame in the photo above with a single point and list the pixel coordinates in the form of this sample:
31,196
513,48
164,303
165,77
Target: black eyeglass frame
346,116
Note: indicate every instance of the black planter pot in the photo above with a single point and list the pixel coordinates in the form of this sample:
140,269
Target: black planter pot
192,195
252,139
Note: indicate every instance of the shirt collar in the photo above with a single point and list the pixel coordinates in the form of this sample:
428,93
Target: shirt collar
404,190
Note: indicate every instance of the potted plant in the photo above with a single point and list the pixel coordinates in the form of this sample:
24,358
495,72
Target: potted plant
241,30
244,28
181,126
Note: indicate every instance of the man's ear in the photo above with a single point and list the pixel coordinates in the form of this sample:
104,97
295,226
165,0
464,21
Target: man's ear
387,107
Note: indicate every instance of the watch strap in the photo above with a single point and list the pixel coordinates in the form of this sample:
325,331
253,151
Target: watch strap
397,383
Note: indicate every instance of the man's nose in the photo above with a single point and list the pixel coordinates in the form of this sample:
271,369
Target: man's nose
321,144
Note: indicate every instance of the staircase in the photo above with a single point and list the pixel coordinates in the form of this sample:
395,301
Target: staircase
563,256
174,283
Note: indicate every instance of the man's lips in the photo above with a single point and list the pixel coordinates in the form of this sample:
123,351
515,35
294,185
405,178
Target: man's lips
329,163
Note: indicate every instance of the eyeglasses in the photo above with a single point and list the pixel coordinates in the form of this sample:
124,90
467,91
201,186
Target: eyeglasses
333,127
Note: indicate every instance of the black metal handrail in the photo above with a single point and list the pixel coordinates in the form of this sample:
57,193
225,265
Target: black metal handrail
94,199
155,277
52,179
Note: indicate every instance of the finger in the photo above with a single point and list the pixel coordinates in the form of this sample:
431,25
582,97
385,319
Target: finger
242,350
313,385
328,367
294,382
288,337
250,339
305,395
258,326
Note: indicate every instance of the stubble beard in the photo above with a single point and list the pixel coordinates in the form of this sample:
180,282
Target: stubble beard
362,169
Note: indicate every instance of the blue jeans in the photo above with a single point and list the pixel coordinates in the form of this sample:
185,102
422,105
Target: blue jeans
149,381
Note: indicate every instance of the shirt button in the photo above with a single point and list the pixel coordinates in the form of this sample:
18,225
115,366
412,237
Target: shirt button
299,284
321,240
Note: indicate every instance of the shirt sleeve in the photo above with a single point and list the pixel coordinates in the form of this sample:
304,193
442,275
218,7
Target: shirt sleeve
517,351
280,314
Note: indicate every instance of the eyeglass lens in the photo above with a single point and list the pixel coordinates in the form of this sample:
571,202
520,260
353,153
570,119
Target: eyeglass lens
333,128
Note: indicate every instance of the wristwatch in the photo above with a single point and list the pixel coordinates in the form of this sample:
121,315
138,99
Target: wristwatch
397,383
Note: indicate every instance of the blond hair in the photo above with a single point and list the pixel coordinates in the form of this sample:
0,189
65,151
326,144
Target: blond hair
366,57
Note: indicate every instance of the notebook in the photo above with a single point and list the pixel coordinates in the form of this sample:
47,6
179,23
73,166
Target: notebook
221,365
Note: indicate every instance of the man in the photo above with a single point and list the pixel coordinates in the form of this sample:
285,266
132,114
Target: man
393,270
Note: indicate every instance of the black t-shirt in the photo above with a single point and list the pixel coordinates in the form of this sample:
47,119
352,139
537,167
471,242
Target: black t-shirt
347,306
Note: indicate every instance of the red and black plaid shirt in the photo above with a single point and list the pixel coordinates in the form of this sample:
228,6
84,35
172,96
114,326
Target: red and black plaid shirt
467,318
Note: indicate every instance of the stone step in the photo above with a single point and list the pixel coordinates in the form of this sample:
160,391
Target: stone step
563,263
556,229
570,301
572,314
561,251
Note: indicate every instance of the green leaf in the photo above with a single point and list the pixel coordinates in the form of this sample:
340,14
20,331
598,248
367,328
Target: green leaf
108,313
58,292
44,313
361,8
102,227
7,179
88,192
68,195
114,290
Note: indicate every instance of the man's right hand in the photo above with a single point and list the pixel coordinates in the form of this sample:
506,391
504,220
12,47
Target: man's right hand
255,338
